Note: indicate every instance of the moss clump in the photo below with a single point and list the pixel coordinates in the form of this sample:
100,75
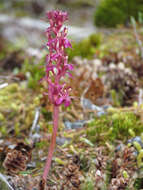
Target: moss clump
10,97
112,127
13,88
89,184
47,115
85,48
2,118
138,183
34,72
14,116
110,13
140,159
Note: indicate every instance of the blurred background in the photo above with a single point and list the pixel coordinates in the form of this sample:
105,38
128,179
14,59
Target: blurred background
20,17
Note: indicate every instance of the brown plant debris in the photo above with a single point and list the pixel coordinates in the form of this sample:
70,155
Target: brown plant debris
17,158
123,169
95,90
71,175
125,83
12,60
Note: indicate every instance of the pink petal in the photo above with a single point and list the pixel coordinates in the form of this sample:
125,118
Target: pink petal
69,74
67,44
67,102
70,66
59,100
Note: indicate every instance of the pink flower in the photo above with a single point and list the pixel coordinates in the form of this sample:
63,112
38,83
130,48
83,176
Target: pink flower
56,59
57,18
58,94
56,68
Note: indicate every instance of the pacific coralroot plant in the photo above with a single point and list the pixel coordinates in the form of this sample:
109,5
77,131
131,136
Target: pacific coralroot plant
57,68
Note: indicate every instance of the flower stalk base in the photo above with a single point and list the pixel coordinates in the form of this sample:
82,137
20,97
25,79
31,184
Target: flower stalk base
53,142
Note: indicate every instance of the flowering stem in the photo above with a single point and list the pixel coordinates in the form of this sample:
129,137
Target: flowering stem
57,67
53,142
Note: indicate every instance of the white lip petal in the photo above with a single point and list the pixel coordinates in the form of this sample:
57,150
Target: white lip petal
55,70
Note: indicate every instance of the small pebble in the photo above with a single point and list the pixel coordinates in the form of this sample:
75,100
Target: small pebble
87,104
36,137
62,140
119,147
135,153
137,139
31,165
99,114
105,107
74,125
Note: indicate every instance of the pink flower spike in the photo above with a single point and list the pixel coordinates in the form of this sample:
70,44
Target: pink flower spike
57,63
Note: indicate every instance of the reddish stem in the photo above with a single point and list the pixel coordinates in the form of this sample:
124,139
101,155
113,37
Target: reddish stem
53,142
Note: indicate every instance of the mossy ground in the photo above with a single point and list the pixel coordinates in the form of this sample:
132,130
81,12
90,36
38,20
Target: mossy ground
105,132
92,150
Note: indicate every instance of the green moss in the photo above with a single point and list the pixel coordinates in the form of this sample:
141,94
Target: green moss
7,94
110,13
140,158
2,118
125,174
116,98
17,129
84,163
34,72
16,108
11,88
41,144
138,183
137,146
112,127
85,48
89,184
47,115
3,130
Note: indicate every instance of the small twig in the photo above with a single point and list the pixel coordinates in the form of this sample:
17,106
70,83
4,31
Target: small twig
140,100
82,97
3,85
8,78
139,42
3,178
4,77
35,121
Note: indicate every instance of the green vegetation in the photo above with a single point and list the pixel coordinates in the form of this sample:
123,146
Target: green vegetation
138,183
34,72
111,13
89,184
115,126
85,48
